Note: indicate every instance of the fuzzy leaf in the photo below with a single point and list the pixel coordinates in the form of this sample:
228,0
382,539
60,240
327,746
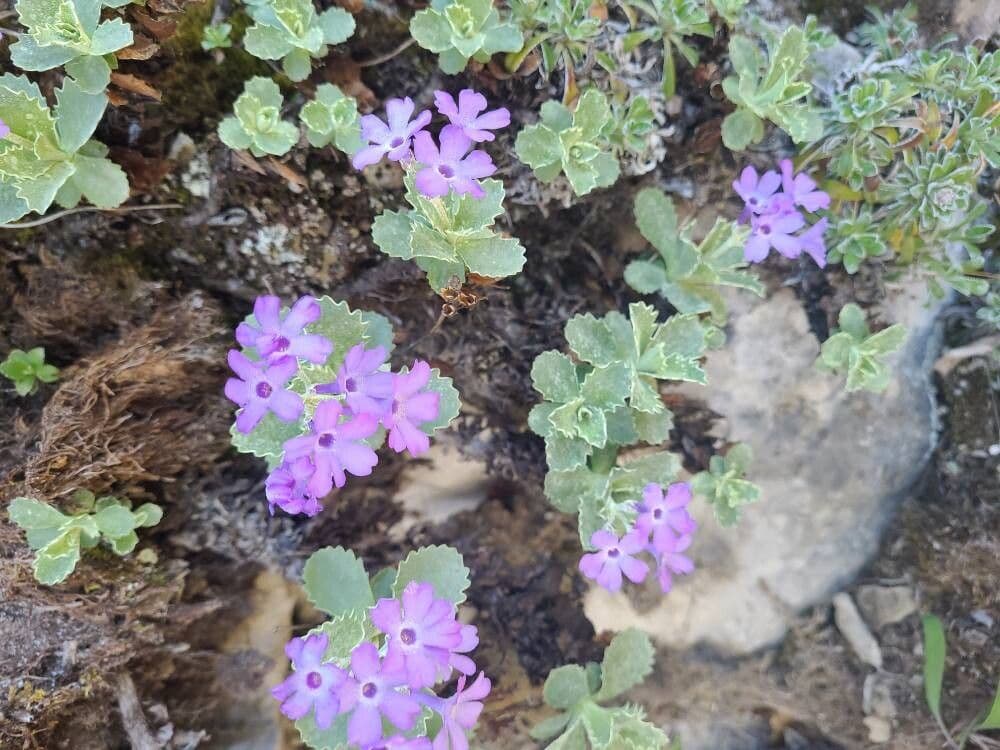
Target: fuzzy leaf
440,566
115,521
336,582
450,404
565,686
29,513
627,662
553,374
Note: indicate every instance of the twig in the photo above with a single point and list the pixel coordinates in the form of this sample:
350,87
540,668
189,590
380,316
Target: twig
88,209
133,720
388,55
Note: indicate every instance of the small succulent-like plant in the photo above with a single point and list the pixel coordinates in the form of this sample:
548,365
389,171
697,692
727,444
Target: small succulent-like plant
332,117
674,20
216,36
572,143
57,538
48,155
632,120
27,369
854,350
579,692
564,31
257,124
70,33
931,190
450,236
688,274
724,486
460,30
293,32
856,237
770,87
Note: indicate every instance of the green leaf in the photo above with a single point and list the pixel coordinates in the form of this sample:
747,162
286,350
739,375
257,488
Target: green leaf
553,374
440,566
77,115
656,218
607,387
550,727
934,656
57,559
450,404
337,24
431,30
598,723
100,181
992,718
268,438
92,74
122,545
344,633
573,739
564,453
332,738
29,513
646,277
627,662
538,146
494,257
115,521
336,582
565,686
592,340
391,232
340,325
148,515
382,583
740,129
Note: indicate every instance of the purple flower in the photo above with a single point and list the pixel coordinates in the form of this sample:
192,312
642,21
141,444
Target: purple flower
466,115
757,192
663,516
449,168
260,389
613,558
4,128
420,633
370,693
313,684
335,447
393,139
287,487
278,337
399,742
774,230
411,406
460,713
670,561
368,389
812,241
458,660
801,189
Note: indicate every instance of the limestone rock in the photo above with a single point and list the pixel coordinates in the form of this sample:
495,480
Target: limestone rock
855,632
885,605
879,729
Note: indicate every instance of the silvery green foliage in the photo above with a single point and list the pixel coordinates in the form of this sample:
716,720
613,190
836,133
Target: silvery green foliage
990,311
605,397
336,582
632,121
770,87
70,33
450,236
673,21
573,143
854,350
729,10
564,32
216,36
332,118
344,328
686,273
27,369
723,484
855,238
257,123
58,538
457,30
49,155
578,693
293,32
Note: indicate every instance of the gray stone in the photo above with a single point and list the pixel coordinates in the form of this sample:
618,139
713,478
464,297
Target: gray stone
885,605
855,632
832,467
879,730
876,696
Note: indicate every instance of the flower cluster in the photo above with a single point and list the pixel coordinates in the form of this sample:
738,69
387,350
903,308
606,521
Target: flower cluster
451,163
364,396
772,203
423,642
663,528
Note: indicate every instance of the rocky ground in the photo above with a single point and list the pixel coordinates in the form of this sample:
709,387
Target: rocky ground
801,629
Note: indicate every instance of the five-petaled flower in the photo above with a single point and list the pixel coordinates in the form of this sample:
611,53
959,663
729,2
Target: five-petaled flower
335,447
393,139
756,191
276,336
774,230
370,693
665,516
260,389
287,487
670,561
451,167
466,114
460,713
801,189
411,407
313,685
613,558
366,388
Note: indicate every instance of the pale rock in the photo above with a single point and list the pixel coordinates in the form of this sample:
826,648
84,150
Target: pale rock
885,605
876,696
879,729
855,632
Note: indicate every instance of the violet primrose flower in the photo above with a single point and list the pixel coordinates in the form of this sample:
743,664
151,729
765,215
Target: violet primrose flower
774,230
4,127
420,633
451,167
367,389
665,516
670,561
335,447
277,337
411,407
313,685
370,693
394,139
287,487
801,189
460,713
458,660
812,241
465,114
260,389
614,558
756,191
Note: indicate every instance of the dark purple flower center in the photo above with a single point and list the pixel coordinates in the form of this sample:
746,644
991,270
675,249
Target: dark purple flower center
369,690
325,440
396,406
765,229
445,171
351,385
658,514
264,390
281,344
613,552
408,636
752,201
314,680
397,142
